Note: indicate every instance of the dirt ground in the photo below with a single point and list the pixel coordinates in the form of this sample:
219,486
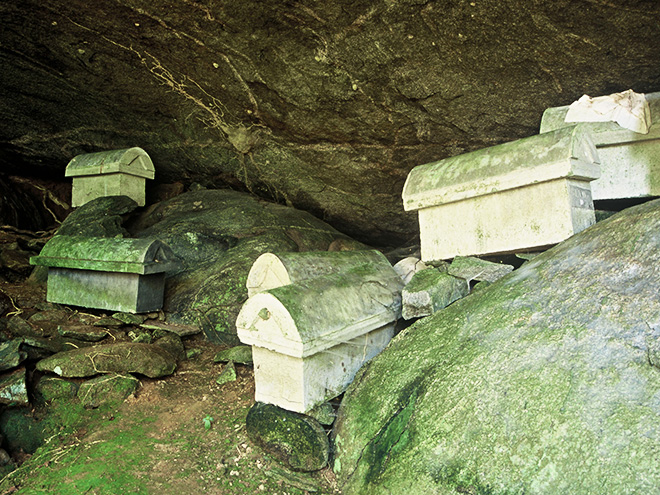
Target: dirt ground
179,435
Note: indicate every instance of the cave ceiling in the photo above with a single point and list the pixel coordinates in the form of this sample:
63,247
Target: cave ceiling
325,106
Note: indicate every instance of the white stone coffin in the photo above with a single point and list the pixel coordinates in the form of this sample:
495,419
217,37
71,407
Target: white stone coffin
630,161
309,338
512,197
110,173
275,270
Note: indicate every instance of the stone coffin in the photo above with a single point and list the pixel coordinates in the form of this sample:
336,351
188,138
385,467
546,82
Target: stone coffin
630,161
110,173
125,275
311,336
516,196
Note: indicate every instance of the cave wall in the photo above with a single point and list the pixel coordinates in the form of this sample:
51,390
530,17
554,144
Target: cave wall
323,106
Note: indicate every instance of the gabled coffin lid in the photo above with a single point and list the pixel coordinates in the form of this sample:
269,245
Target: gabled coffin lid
132,161
567,152
108,254
604,133
275,270
313,315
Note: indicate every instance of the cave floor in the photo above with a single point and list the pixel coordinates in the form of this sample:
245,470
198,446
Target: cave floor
182,434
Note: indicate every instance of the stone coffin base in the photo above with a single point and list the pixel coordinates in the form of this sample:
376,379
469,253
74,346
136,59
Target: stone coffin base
126,292
300,384
513,220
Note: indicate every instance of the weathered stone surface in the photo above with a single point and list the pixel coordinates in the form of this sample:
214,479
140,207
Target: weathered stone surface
180,330
50,388
241,354
11,355
145,359
429,291
325,106
470,269
101,217
217,235
228,374
172,343
106,388
88,333
129,319
543,382
295,440
13,389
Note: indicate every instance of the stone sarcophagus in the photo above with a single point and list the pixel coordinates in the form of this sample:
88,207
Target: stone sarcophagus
516,196
125,275
629,160
110,173
310,335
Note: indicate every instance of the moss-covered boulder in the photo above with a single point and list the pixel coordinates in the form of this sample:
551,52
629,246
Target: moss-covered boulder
544,382
296,440
217,234
105,389
125,357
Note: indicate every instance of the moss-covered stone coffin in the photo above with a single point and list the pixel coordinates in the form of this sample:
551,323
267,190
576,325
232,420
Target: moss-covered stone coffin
106,273
110,173
525,194
630,161
310,336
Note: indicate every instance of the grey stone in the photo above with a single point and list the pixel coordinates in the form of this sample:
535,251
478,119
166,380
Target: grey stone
106,389
140,335
323,413
544,382
295,440
172,343
241,354
429,291
130,319
87,333
18,327
50,388
101,217
11,355
180,330
145,359
13,389
228,374
471,269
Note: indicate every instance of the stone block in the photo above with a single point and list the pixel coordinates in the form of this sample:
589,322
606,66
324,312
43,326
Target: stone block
630,161
516,196
311,336
106,273
429,291
110,173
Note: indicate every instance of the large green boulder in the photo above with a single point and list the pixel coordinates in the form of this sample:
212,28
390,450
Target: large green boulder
217,235
545,382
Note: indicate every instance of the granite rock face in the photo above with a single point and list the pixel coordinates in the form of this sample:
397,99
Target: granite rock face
544,382
324,107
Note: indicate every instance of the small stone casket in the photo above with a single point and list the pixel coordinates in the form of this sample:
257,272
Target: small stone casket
525,194
630,161
110,173
310,336
116,274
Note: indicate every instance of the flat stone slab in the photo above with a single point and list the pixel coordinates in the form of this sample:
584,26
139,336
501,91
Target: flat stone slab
430,291
145,359
11,355
477,269
180,330
13,389
88,333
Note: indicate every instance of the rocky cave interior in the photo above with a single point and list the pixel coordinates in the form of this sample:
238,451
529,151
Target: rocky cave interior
323,107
